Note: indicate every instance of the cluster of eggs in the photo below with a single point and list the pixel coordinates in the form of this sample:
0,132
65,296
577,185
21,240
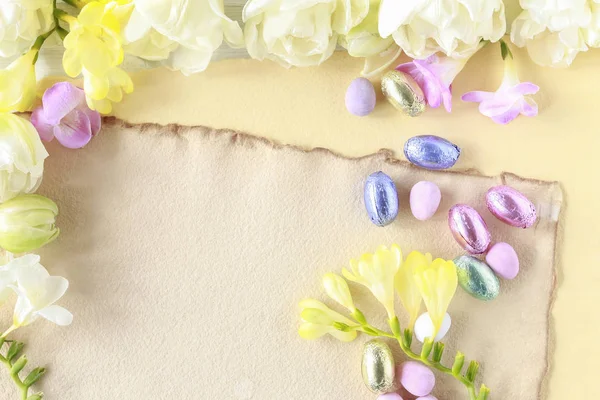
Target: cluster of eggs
383,377
477,277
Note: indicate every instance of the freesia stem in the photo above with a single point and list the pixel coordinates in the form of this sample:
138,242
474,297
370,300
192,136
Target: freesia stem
76,3
15,377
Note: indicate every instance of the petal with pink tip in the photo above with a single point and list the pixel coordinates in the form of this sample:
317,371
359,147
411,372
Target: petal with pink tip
499,104
508,116
74,131
61,99
44,128
94,117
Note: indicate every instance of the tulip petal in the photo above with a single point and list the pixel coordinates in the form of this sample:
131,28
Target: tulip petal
44,128
57,314
61,99
75,130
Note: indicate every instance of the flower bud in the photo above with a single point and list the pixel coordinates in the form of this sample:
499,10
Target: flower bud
27,222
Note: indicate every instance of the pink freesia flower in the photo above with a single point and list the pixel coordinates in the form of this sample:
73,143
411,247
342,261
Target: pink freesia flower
65,115
435,75
510,100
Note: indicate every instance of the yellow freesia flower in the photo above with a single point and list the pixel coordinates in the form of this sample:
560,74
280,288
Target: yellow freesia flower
337,288
18,84
318,320
376,272
406,284
94,48
437,283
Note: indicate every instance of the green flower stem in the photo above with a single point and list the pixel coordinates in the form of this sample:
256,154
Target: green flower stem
76,3
14,364
405,340
64,16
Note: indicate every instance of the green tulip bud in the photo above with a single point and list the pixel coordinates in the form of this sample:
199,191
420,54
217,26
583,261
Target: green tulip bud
27,223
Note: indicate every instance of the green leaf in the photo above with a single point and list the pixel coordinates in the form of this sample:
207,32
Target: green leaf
459,361
505,50
426,349
472,371
34,376
438,352
14,350
18,365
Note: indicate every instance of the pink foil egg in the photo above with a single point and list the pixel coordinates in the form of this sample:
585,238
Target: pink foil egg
416,378
503,259
469,229
511,206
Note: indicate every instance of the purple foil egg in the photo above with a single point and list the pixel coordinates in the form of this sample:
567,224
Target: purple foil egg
431,152
381,199
469,229
511,206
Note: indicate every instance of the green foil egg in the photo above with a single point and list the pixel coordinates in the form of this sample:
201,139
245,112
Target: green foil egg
477,278
378,368
403,93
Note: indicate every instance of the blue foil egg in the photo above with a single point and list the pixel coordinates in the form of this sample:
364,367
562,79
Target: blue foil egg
381,199
431,152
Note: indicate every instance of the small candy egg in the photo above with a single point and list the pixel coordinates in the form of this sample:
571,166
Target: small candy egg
381,199
403,93
389,396
360,97
430,397
425,199
476,278
431,152
503,259
378,369
469,229
511,206
424,327
416,378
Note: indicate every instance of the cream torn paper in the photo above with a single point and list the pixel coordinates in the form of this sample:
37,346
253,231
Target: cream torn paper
188,250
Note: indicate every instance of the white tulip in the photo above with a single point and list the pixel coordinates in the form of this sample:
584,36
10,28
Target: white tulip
555,32
186,31
21,22
299,32
37,292
454,27
22,157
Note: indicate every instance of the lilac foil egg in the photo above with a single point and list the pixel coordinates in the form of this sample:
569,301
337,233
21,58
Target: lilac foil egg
469,229
381,199
511,206
431,152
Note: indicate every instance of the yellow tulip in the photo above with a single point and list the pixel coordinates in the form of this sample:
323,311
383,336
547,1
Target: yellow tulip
376,272
18,84
337,288
437,283
318,320
94,48
406,284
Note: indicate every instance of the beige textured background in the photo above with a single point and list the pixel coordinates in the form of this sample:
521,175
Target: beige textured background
306,107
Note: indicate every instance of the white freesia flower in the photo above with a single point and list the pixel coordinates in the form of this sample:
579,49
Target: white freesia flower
37,292
22,157
554,32
8,274
191,30
299,32
21,22
455,27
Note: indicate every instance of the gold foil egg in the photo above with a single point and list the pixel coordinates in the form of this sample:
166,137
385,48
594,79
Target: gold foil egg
378,368
403,92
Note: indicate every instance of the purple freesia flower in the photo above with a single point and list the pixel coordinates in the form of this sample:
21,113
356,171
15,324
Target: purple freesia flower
510,100
65,115
435,75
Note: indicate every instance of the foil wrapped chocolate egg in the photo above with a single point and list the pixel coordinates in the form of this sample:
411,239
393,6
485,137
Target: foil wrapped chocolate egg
469,229
381,199
403,93
431,152
477,278
511,206
378,368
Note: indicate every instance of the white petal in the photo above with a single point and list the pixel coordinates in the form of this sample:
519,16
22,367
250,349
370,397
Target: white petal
57,314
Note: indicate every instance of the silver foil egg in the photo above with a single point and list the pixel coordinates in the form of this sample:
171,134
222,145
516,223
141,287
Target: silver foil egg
431,152
378,368
477,278
381,199
403,93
